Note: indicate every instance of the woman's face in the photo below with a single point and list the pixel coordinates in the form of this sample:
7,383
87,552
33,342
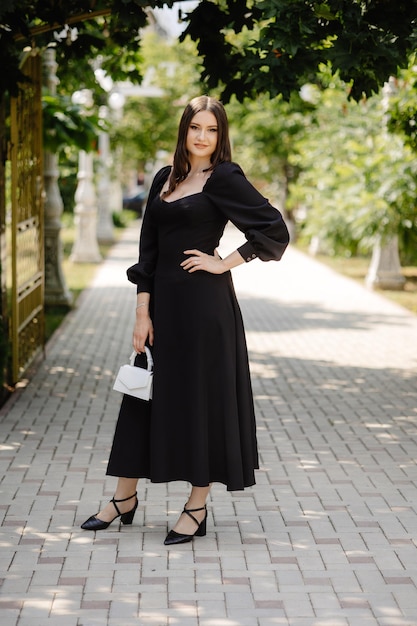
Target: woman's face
202,135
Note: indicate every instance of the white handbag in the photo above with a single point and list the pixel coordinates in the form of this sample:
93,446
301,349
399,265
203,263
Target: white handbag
136,381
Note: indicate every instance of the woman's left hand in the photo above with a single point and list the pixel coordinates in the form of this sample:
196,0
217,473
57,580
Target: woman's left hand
201,261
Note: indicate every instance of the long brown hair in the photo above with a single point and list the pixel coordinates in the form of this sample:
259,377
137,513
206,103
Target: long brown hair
182,165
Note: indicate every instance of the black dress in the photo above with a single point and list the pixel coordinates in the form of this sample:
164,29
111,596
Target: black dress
200,425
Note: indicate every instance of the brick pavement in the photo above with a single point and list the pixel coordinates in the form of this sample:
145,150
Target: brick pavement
328,535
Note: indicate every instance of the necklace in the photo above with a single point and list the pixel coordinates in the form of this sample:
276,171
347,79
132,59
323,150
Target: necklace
197,173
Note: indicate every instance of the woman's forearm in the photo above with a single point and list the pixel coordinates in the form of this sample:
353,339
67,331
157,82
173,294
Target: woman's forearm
233,260
142,302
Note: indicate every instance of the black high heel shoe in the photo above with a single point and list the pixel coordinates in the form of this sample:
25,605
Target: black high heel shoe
173,537
95,523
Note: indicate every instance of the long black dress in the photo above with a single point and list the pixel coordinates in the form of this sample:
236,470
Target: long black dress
200,425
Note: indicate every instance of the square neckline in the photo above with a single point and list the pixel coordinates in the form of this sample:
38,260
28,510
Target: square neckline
190,195
196,193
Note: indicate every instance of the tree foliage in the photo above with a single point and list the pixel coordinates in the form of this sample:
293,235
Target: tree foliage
402,111
150,124
364,40
265,133
80,28
66,124
284,41
357,180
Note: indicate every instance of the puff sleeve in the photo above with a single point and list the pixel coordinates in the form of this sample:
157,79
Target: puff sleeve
142,273
262,224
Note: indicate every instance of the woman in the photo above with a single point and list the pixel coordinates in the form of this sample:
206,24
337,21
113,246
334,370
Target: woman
200,425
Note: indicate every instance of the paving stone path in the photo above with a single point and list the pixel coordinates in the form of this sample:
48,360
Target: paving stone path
327,537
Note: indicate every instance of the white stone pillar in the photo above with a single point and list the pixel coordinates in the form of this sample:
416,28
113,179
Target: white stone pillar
85,248
385,267
105,229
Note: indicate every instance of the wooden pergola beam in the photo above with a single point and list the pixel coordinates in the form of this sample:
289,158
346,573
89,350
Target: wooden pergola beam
74,19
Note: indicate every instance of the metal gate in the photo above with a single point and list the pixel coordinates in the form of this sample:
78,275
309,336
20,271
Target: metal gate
27,258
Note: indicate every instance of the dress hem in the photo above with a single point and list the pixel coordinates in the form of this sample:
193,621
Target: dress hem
172,480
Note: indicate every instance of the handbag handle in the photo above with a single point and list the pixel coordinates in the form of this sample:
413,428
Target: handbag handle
148,358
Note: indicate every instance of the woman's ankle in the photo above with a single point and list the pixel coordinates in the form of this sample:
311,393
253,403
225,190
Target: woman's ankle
125,488
195,506
121,496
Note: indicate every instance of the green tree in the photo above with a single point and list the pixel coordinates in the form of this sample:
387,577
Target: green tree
149,124
80,29
285,40
364,41
402,108
358,181
65,124
265,134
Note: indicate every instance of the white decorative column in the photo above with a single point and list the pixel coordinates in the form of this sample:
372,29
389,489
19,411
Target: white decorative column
56,290
116,101
108,200
85,248
385,268
105,232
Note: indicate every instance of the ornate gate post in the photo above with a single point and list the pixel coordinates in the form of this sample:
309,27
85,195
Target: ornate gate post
56,290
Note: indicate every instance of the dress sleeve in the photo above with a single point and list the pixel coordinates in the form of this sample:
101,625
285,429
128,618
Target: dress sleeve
262,224
142,273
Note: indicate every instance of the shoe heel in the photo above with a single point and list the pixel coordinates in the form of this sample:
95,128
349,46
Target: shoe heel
127,518
202,529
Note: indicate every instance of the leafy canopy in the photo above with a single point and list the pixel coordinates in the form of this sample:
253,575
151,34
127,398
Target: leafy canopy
284,41
357,180
402,113
366,41
80,28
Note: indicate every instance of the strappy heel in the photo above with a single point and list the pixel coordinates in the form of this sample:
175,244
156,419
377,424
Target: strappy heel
95,523
173,537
